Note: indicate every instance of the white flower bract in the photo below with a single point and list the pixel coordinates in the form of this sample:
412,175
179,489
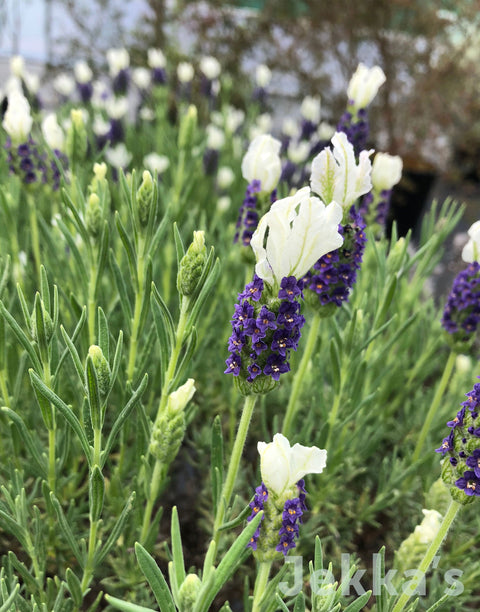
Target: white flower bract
336,175
17,121
300,230
282,465
471,251
386,171
364,85
262,162
53,133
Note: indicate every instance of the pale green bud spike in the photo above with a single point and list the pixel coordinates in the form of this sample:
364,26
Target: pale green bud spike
188,592
76,142
93,215
101,367
191,266
145,198
188,126
167,436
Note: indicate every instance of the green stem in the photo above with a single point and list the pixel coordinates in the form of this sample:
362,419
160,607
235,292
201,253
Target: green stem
139,299
156,481
434,405
158,470
32,214
97,446
89,565
47,376
332,417
448,519
234,464
300,375
261,582
4,389
92,303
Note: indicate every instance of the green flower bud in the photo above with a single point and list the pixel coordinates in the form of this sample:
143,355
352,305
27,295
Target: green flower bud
191,265
188,592
169,429
413,548
101,367
145,198
76,143
188,126
94,216
47,331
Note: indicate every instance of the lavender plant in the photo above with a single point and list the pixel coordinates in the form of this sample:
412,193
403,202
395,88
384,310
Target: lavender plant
127,348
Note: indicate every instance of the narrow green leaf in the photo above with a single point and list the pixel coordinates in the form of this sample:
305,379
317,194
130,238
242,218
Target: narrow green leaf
44,288
102,256
281,603
122,417
155,579
179,246
79,259
299,603
206,288
186,358
23,571
228,565
33,450
119,604
64,410
359,603
122,291
238,520
103,334
146,302
116,531
117,358
40,325
25,310
216,461
385,304
177,550
438,603
93,394
74,354
74,586
72,206
335,365
96,493
21,337
129,249
65,528
162,226
10,600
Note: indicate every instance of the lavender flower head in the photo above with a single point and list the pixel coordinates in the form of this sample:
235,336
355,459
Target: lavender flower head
267,321
261,167
282,494
461,450
461,315
337,176
362,89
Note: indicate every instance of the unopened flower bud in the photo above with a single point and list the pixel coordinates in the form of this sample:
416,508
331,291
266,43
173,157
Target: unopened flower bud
93,215
191,266
188,126
76,144
101,367
188,592
47,323
145,198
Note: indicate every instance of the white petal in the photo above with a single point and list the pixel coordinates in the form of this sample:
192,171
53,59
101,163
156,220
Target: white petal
306,460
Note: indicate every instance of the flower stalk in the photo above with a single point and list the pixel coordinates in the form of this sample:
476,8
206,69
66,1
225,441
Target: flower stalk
450,515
